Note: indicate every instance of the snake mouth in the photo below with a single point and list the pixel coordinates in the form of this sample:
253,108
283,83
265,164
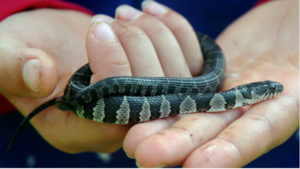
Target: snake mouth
275,90
278,88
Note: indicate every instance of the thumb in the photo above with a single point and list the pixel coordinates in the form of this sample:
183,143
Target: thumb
25,71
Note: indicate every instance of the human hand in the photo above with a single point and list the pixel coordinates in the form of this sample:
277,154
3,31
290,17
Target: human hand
260,45
39,51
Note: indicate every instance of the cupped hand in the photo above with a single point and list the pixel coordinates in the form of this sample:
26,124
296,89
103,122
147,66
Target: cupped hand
39,51
261,45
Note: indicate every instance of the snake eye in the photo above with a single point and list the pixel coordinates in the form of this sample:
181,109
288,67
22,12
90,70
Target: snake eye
261,90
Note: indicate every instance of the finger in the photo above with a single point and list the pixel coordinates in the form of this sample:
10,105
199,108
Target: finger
166,45
139,50
105,53
182,30
107,58
262,128
170,147
139,132
25,71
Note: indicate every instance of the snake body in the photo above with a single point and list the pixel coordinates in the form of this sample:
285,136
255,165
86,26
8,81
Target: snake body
130,100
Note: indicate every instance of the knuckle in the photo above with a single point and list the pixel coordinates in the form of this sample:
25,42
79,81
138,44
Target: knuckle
157,28
119,61
132,33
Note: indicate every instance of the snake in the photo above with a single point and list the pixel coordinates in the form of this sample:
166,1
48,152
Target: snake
132,100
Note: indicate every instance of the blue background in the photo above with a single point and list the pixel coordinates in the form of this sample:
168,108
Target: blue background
207,16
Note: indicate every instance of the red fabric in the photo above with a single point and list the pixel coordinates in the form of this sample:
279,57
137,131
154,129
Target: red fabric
261,2
5,106
9,7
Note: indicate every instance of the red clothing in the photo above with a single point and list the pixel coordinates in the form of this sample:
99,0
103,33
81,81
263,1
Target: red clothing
10,7
261,2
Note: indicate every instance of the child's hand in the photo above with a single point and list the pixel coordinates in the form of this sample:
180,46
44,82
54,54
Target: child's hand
39,51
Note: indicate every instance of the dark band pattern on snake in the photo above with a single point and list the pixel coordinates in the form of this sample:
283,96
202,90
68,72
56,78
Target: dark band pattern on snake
131,100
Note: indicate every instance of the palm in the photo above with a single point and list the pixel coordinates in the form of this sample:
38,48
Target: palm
257,47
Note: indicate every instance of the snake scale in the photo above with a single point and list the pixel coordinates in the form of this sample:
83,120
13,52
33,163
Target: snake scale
130,100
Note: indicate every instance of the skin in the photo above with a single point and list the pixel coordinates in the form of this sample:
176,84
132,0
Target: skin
169,47
54,48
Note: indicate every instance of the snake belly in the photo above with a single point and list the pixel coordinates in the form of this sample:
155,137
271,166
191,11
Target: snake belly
130,100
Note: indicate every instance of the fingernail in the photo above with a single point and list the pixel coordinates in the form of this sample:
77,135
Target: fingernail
127,13
31,74
153,8
101,18
103,32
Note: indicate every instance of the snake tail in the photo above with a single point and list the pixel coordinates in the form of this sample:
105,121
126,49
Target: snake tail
26,121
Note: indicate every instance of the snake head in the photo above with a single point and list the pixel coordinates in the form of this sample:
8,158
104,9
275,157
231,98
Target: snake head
258,91
276,87
267,89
